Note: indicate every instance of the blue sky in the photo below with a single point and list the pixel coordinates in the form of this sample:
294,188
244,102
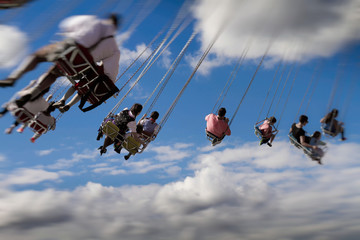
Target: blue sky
60,188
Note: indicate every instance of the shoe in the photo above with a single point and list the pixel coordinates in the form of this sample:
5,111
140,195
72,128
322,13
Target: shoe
59,104
117,147
100,135
269,144
9,82
343,139
102,150
32,140
261,142
64,108
20,130
9,130
126,157
215,142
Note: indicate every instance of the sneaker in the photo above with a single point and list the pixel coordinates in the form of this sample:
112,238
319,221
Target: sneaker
126,157
9,130
343,139
269,144
32,140
215,142
20,130
102,151
64,108
117,147
58,104
100,135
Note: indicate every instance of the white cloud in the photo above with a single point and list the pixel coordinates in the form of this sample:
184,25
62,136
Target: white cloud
45,152
26,176
296,30
13,46
2,158
76,158
128,56
169,153
231,195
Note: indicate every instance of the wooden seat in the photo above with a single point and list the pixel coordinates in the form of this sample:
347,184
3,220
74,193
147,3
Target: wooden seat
89,79
22,115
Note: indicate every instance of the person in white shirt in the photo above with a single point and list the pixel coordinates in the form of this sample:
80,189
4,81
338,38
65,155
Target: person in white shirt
88,31
125,121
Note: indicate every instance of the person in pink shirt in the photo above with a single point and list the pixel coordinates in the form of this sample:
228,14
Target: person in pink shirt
217,126
267,132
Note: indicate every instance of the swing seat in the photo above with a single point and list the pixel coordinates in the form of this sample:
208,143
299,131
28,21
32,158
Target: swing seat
11,3
298,145
326,131
89,79
132,146
213,138
306,150
38,127
110,130
258,132
22,115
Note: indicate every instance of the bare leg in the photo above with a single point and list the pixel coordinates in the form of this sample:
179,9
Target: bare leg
29,64
272,138
44,82
11,128
107,142
68,94
72,102
22,128
34,137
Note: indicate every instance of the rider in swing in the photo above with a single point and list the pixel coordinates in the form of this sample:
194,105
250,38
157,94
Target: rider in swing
92,33
217,126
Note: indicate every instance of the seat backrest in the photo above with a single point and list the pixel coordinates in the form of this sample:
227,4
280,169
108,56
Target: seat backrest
38,127
110,130
22,115
131,145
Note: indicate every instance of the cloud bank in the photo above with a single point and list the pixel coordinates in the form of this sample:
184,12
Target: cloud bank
232,193
13,46
294,30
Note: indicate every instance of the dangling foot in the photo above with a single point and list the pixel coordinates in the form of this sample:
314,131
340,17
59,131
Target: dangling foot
8,82
126,157
64,108
58,104
102,150
117,147
32,140
216,141
100,135
9,130
269,144
20,130
343,139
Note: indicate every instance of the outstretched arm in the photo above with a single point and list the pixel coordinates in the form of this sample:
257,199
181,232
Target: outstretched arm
305,144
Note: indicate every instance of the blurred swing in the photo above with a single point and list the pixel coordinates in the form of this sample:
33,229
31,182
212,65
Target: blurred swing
109,128
87,77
